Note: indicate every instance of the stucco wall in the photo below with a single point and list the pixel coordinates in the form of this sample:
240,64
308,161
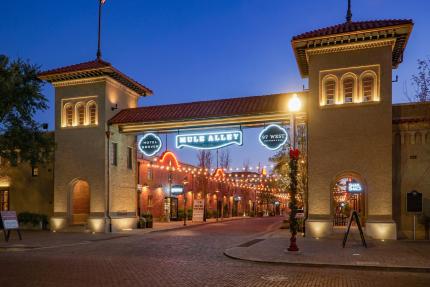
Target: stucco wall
411,169
354,138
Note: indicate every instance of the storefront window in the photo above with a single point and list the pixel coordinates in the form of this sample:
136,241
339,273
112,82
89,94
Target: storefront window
4,200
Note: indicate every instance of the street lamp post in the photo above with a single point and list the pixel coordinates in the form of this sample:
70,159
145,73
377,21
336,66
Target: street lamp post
294,105
185,182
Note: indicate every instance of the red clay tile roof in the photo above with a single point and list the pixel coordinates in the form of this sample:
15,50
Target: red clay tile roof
203,110
93,69
327,37
351,27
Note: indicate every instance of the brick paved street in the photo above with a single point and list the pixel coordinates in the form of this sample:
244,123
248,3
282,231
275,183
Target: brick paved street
184,257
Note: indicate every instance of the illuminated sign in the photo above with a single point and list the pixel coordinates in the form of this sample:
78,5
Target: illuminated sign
211,140
273,137
177,189
149,144
354,187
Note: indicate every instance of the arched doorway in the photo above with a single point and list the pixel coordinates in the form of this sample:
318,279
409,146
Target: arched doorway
348,195
80,202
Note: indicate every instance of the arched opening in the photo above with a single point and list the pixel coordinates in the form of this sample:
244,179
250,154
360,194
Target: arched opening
4,193
80,202
92,113
68,115
80,114
348,195
329,95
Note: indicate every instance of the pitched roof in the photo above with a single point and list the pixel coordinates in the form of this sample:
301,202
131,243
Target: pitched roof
93,69
203,110
348,27
352,33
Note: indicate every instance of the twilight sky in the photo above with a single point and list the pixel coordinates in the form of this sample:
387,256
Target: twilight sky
188,50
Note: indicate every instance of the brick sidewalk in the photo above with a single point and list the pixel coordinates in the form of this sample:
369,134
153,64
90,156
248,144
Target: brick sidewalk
393,255
32,239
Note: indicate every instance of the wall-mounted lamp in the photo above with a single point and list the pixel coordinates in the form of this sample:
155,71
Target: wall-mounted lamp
114,107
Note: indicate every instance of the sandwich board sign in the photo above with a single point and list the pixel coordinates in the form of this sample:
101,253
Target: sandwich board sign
9,222
198,210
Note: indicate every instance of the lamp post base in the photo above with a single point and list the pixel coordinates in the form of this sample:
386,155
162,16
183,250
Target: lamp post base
293,245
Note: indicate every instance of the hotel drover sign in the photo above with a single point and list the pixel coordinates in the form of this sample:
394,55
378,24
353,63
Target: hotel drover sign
273,137
150,144
209,140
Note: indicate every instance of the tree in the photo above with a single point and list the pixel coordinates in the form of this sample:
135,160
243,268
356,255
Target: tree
20,97
204,158
225,159
421,82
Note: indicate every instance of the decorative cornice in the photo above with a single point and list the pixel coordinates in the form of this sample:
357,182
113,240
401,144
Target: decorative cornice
84,81
350,47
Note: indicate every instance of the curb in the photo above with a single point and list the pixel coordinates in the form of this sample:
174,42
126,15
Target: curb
338,266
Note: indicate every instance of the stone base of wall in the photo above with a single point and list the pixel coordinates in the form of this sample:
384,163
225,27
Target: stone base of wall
123,223
58,223
319,227
381,229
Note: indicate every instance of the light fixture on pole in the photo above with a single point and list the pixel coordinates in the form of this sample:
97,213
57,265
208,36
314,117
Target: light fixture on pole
185,182
294,105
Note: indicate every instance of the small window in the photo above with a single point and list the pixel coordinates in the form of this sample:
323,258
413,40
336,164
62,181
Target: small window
150,173
330,92
92,113
68,113
4,200
348,90
34,171
114,154
129,157
368,87
150,200
80,114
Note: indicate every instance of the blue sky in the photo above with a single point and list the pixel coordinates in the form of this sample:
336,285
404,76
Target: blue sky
188,50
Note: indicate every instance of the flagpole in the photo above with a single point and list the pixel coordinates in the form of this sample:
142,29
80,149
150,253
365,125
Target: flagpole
99,53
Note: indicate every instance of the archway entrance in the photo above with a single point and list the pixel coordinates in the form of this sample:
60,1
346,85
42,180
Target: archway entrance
80,202
348,195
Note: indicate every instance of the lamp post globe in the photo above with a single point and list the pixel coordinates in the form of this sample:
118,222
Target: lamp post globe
294,104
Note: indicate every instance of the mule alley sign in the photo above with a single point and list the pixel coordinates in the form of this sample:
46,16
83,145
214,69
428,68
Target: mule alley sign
209,140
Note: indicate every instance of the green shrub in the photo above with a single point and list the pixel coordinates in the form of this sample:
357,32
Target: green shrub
33,218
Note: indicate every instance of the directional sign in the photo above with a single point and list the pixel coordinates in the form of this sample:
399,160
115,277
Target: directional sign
149,144
209,140
273,137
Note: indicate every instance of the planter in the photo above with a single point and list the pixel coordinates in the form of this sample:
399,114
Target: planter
149,224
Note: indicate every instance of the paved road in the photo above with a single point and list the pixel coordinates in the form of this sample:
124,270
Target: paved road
186,257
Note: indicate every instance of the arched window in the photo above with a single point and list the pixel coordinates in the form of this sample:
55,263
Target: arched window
80,114
68,115
368,87
92,113
349,88
329,90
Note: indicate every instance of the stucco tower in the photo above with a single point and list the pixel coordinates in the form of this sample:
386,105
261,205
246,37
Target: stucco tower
95,177
349,67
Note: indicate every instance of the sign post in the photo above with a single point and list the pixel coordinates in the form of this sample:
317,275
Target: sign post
414,205
10,222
